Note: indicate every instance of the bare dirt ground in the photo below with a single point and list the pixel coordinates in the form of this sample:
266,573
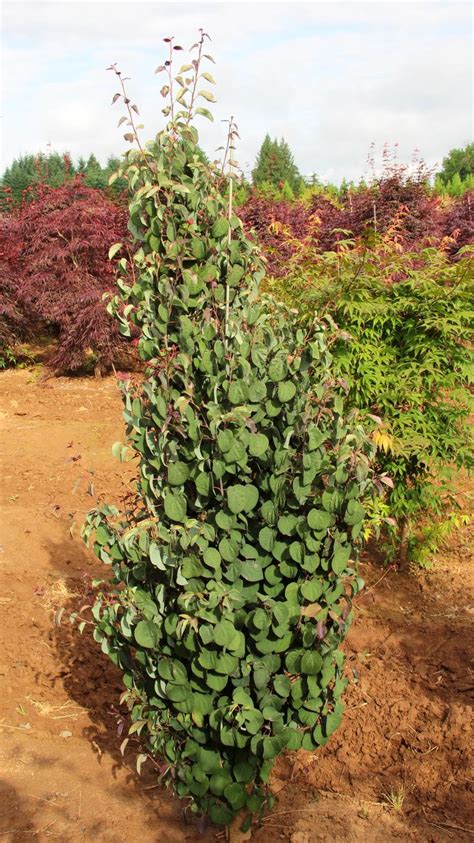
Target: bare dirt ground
398,769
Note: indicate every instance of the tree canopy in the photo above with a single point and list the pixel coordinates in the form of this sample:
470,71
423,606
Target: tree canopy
55,169
458,162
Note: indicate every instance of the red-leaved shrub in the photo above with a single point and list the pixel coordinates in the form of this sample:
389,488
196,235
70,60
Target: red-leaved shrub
65,235
15,323
458,221
400,208
395,203
270,219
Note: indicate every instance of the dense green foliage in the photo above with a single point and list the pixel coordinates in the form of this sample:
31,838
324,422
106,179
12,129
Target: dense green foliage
233,564
409,362
275,168
457,175
454,186
458,162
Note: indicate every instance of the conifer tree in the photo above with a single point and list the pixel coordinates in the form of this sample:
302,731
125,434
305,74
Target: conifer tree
275,164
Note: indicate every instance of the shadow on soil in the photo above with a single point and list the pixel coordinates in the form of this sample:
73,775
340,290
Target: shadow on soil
362,760
16,820
95,684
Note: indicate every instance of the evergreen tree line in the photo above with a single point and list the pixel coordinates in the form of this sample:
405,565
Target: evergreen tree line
55,169
454,186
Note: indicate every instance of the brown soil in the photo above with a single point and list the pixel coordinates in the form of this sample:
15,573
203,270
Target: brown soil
408,723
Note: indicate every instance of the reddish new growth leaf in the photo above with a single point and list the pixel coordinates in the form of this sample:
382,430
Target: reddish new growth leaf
65,234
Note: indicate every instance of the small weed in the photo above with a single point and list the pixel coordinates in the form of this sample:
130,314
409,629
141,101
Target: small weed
36,372
365,655
395,799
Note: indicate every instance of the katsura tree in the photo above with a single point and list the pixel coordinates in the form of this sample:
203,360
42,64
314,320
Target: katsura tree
233,563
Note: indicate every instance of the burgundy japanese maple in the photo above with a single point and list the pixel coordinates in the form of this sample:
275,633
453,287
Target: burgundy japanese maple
66,233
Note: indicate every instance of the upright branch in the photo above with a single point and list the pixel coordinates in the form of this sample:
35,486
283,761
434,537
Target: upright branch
188,84
195,64
169,67
132,136
232,134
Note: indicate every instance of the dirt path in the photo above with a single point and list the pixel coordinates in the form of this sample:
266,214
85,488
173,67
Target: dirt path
408,724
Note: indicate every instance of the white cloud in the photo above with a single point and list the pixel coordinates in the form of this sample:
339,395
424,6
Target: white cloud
330,77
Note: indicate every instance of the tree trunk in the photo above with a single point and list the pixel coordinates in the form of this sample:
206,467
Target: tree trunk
403,544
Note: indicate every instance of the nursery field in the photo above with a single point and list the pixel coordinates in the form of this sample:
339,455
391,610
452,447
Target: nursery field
397,769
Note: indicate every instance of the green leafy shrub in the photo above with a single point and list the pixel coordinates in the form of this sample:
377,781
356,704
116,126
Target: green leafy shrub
233,564
430,539
16,356
409,361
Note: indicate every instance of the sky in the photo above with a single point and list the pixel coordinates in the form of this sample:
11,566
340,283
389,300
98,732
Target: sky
332,78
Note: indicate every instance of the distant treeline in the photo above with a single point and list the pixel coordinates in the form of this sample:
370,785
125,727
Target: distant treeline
54,169
275,175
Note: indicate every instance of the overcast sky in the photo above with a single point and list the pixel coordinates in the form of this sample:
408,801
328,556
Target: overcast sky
329,77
